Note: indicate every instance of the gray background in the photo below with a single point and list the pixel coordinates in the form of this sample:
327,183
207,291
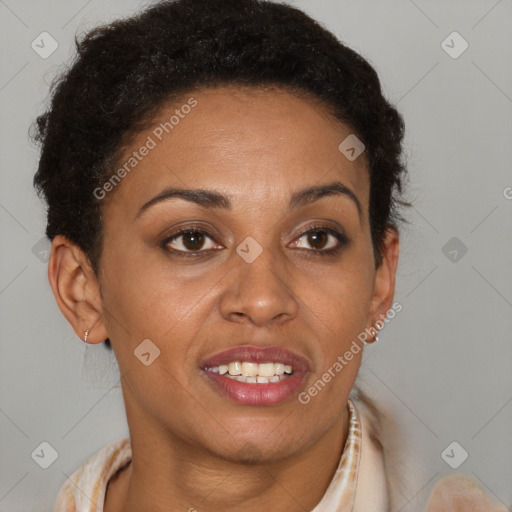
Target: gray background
442,366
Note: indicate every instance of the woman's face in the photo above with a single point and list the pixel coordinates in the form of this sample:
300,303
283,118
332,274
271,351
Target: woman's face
250,275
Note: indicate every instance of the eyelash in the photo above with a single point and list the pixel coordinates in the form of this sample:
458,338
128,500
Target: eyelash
340,237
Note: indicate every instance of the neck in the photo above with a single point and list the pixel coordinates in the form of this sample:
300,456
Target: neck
169,474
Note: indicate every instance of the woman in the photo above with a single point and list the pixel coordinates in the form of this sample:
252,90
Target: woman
223,183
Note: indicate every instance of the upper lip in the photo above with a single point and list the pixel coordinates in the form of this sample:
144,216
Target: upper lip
253,354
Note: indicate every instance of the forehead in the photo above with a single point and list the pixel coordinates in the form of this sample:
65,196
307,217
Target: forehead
248,143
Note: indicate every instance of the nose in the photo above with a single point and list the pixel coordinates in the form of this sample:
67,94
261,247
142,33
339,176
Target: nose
258,293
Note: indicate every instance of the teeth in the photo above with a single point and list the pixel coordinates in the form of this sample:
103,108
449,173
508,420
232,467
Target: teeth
254,373
258,379
266,369
246,369
235,368
279,368
250,369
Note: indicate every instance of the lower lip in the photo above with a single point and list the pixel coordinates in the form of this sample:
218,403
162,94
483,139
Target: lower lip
256,394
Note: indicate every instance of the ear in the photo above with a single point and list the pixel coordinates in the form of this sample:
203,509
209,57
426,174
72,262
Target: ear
76,289
385,276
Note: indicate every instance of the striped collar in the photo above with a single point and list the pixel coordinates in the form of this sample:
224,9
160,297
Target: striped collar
340,494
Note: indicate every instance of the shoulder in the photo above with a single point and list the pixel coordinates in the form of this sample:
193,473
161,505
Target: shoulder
84,490
389,473
458,493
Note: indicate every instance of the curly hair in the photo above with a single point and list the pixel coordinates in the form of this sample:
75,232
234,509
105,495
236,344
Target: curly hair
125,71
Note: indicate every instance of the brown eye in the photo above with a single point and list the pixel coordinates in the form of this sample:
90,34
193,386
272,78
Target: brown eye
317,239
189,241
193,240
321,240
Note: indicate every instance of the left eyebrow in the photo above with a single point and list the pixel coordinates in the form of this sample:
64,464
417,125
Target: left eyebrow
212,199
310,194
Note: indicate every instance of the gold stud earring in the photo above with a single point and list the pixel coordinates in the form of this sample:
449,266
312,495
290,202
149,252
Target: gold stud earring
86,334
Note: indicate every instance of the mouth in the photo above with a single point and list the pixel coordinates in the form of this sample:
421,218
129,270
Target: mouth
256,376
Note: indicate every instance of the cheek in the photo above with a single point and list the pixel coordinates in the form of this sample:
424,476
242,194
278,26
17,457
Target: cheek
339,310
340,296
145,299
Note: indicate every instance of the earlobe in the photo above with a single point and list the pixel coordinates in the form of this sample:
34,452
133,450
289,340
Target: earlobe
76,290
